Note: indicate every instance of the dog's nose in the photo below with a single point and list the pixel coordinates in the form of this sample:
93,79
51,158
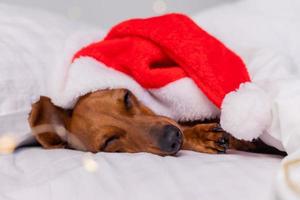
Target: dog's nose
171,139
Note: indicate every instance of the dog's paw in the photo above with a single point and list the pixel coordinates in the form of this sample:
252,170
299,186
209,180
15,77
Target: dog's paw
220,137
206,138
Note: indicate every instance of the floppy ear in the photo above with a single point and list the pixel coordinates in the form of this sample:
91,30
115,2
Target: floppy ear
48,123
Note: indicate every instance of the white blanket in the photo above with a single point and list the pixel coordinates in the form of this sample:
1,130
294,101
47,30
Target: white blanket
265,33
39,174
36,49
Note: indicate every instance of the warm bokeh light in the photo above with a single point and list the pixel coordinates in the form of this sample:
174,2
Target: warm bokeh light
8,144
159,6
89,163
291,170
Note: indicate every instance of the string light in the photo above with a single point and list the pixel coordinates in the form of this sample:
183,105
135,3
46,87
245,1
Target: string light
288,168
159,6
89,163
8,144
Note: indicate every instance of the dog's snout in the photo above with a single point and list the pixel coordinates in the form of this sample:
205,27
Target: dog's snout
171,139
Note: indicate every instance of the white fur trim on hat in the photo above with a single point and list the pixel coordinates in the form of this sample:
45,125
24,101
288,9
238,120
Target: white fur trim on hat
185,101
180,100
246,113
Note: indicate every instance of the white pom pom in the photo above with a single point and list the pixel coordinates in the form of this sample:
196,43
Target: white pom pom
246,113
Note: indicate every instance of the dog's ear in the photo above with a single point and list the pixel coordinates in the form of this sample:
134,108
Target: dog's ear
49,123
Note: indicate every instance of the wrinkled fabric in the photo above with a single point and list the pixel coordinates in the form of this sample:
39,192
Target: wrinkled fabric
266,36
61,174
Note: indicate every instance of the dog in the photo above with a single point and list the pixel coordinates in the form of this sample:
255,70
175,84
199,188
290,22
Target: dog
115,121
104,120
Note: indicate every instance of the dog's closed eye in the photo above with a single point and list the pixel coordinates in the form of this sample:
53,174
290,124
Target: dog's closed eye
127,100
108,142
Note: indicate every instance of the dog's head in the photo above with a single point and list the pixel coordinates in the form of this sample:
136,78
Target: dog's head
106,120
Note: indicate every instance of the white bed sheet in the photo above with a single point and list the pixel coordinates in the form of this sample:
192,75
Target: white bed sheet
35,173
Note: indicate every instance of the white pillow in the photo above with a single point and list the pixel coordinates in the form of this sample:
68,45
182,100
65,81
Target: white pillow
35,49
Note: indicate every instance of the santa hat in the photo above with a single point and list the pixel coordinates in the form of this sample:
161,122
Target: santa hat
175,68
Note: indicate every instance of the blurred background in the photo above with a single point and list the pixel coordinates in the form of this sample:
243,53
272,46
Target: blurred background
108,12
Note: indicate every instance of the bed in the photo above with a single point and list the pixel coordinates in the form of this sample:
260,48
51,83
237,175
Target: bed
35,173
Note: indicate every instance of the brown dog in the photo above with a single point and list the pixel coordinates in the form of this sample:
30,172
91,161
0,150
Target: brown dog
115,121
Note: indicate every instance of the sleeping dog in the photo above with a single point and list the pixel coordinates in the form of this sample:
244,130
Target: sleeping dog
115,121
77,110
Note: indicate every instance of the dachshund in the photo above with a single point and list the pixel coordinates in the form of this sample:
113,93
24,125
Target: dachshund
113,120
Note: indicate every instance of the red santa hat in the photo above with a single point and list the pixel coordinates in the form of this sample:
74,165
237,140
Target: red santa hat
177,69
